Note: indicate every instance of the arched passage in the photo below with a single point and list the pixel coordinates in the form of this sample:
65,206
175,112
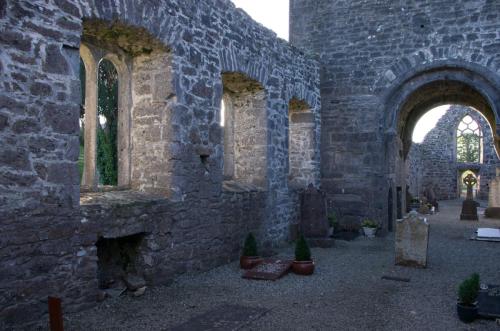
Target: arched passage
415,94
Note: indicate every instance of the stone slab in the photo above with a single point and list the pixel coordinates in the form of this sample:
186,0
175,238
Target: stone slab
313,220
489,233
489,302
412,240
225,317
269,269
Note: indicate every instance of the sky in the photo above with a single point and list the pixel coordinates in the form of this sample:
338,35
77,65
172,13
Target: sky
427,122
273,14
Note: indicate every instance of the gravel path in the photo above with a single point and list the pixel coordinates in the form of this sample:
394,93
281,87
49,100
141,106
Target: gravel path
345,293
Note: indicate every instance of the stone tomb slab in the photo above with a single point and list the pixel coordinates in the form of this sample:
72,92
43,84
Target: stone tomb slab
225,317
269,269
489,302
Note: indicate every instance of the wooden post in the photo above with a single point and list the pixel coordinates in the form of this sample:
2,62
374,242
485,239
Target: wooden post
55,314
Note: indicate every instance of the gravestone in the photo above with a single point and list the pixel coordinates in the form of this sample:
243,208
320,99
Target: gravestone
469,206
412,240
488,301
269,269
493,210
313,220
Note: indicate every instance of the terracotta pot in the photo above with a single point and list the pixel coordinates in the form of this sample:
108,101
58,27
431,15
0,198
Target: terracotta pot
303,267
248,262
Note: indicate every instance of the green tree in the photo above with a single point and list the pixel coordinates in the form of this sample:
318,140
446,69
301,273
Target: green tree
107,108
468,147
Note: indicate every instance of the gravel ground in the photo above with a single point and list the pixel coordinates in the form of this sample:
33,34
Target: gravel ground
346,291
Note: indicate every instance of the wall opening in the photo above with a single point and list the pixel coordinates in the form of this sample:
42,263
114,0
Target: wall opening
107,129
245,130
117,259
81,121
300,143
128,95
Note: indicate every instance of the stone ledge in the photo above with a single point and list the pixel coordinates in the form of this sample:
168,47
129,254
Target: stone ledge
118,198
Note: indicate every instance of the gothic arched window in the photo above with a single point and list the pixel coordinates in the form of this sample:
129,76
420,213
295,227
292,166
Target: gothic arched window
468,141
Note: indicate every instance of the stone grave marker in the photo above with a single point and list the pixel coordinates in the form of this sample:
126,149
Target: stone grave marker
269,269
412,240
489,302
469,206
313,220
493,210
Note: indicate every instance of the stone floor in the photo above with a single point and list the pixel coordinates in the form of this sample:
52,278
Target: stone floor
345,293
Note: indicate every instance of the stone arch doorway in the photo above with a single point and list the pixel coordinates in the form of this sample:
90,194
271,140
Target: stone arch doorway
417,92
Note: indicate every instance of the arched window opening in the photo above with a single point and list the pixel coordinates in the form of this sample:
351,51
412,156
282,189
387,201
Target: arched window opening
468,141
107,129
81,155
222,113
244,122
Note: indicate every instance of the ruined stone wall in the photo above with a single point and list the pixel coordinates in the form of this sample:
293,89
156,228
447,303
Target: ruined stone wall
374,55
47,241
434,161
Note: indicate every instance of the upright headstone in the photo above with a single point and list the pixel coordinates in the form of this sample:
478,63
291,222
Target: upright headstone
469,206
430,194
493,210
412,240
314,223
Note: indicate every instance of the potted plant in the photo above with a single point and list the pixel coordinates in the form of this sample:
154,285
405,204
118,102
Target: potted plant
249,257
415,204
303,264
369,228
332,220
467,296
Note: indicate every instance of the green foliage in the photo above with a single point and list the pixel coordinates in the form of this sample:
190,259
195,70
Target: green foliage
468,147
302,251
250,246
332,219
367,223
107,108
468,290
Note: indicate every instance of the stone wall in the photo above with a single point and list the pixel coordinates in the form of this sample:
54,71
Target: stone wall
175,53
434,161
383,64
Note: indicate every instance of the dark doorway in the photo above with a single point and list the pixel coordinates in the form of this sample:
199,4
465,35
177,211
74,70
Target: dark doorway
389,209
399,202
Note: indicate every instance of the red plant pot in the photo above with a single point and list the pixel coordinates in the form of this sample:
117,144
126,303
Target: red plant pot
303,267
248,262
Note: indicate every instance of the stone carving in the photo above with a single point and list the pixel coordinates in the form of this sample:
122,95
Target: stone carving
412,240
493,210
469,206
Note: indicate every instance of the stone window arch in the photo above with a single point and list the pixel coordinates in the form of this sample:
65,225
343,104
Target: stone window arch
244,130
469,141
97,62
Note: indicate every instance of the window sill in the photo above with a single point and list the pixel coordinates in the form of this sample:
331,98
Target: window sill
118,197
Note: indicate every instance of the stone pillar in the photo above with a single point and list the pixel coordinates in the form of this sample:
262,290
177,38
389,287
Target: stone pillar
89,178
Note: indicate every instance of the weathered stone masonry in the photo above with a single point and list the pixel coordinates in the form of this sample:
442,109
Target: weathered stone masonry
383,64
182,215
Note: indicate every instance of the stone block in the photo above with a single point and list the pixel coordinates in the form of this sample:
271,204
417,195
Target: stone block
412,240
